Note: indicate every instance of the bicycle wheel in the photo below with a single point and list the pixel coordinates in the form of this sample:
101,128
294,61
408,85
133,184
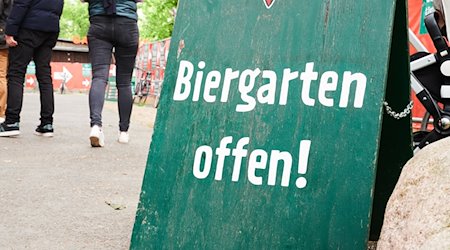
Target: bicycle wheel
137,92
145,92
157,94
156,102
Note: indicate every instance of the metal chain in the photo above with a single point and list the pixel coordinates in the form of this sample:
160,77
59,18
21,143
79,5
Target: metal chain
400,115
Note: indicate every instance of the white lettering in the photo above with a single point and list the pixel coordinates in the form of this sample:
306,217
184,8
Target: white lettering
244,89
288,76
308,76
257,162
326,86
212,82
198,82
275,157
185,73
361,81
239,152
229,76
222,152
206,152
265,92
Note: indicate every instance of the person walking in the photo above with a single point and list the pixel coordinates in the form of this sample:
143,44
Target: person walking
113,27
32,30
5,8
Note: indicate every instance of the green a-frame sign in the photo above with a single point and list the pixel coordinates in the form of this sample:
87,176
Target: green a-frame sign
271,132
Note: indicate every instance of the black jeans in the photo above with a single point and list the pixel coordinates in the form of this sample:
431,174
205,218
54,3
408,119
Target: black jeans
38,46
106,33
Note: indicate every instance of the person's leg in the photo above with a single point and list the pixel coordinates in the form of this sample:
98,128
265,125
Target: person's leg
3,89
18,59
127,41
100,50
42,57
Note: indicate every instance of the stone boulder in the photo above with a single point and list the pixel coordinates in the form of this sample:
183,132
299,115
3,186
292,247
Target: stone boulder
418,212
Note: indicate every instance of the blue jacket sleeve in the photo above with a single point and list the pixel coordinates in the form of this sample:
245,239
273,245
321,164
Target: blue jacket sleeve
5,8
16,17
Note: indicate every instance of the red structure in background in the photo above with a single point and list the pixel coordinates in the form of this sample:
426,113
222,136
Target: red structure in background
75,76
152,58
416,11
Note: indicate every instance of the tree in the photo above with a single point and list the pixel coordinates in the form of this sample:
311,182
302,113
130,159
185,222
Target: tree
157,19
74,20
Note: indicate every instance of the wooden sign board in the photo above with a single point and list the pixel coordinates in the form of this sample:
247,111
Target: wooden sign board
269,125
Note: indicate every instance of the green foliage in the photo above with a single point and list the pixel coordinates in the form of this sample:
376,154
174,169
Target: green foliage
74,20
157,19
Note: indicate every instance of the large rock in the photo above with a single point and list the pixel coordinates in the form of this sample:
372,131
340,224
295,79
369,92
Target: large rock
418,212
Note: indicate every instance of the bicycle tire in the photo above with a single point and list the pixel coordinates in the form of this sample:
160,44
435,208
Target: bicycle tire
156,102
137,92
145,91
138,88
143,100
146,88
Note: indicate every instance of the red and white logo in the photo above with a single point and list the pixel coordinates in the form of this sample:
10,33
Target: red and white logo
268,3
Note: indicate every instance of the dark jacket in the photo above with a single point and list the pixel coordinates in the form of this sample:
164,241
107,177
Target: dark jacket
40,15
124,8
5,9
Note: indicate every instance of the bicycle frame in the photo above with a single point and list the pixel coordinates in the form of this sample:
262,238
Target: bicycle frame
441,117
142,87
419,63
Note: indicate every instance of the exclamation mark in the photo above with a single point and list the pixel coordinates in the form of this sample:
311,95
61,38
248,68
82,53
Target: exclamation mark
303,156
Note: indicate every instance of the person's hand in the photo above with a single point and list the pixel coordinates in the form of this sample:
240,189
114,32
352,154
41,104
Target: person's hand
10,41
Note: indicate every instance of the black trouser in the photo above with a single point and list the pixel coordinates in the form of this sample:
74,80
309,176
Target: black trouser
106,33
38,46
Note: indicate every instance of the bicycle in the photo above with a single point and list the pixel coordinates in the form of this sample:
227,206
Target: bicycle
157,91
430,80
142,88
62,87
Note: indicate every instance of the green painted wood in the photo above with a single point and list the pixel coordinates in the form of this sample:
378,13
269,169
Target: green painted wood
395,144
257,202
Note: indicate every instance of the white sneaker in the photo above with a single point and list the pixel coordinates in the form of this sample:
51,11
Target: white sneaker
97,137
2,119
124,137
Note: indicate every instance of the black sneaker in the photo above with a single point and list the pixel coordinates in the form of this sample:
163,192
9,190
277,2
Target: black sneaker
44,130
9,129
